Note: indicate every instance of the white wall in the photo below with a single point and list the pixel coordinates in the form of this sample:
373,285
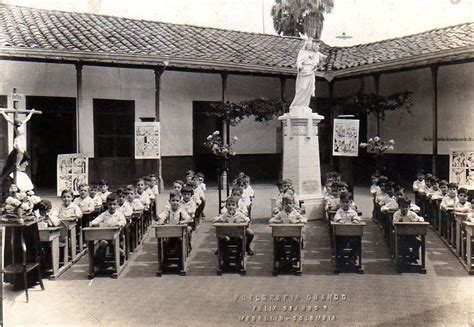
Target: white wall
178,91
455,109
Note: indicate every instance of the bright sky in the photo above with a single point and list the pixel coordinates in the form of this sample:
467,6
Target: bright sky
365,20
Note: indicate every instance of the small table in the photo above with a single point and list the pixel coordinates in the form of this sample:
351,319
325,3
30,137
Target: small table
469,240
287,231
460,232
411,229
51,235
172,231
93,234
231,230
24,267
355,230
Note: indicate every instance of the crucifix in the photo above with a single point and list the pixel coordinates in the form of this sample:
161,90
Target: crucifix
19,129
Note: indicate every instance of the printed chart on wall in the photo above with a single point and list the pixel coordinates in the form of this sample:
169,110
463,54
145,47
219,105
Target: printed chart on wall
345,137
73,170
147,140
461,167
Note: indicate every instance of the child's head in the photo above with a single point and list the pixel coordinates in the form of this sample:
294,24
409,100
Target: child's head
241,174
236,192
435,184
404,205
93,188
286,184
373,179
130,193
112,202
443,186
342,187
122,195
189,176
178,185
147,181
390,189
452,189
337,176
288,202
231,204
200,177
345,200
399,194
44,207
174,200
187,192
420,175
195,181
246,180
428,180
462,195
280,187
140,185
103,186
153,179
66,196
83,191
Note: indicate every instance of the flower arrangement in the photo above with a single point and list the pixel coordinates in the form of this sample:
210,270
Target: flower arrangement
18,205
217,146
377,146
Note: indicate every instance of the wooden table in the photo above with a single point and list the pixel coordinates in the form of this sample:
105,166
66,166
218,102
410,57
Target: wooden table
172,231
23,265
356,230
231,230
460,232
93,234
287,231
469,240
411,229
51,235
71,225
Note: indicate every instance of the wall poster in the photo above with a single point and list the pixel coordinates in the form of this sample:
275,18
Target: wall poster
345,138
461,167
147,140
73,170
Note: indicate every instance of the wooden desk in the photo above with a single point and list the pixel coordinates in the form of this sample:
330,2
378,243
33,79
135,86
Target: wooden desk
137,218
23,265
411,229
172,231
287,231
71,225
460,232
231,230
356,230
93,234
51,235
469,242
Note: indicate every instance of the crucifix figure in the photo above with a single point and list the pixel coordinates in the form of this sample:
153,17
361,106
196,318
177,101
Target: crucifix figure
18,154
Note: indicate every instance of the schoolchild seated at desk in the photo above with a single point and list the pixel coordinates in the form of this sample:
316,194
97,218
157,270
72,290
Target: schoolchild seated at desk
104,190
123,205
109,218
231,216
392,205
68,210
142,194
95,196
187,202
287,186
242,207
84,201
346,215
462,206
132,200
411,243
450,200
45,211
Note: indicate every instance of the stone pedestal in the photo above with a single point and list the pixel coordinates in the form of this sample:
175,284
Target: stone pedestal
301,158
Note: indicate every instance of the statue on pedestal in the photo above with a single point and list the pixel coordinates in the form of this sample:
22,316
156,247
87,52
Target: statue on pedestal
306,63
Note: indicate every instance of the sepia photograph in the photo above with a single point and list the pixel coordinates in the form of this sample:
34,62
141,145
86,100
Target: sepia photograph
237,163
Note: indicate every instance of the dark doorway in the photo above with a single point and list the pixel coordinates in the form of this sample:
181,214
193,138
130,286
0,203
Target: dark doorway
114,141
203,126
50,134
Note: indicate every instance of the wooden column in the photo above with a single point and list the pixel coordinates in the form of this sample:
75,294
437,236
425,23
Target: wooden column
282,98
434,80
158,72
377,91
78,105
225,125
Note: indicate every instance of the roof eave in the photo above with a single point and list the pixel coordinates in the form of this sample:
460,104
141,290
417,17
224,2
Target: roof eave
438,58
141,61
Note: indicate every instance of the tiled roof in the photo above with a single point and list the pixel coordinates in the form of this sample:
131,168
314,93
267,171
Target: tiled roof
79,36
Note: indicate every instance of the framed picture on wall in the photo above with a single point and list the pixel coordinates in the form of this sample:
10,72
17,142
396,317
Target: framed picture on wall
345,140
147,140
461,167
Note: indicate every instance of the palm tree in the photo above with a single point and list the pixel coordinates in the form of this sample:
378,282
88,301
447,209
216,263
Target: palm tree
295,17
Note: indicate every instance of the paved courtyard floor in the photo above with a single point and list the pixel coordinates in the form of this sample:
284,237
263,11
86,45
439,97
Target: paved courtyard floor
380,297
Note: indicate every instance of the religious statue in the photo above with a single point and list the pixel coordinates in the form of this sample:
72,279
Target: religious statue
306,63
19,141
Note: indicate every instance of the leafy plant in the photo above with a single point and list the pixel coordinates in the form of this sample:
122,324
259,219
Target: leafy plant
217,146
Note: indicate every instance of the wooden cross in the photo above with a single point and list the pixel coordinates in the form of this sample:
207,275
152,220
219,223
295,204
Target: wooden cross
16,111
